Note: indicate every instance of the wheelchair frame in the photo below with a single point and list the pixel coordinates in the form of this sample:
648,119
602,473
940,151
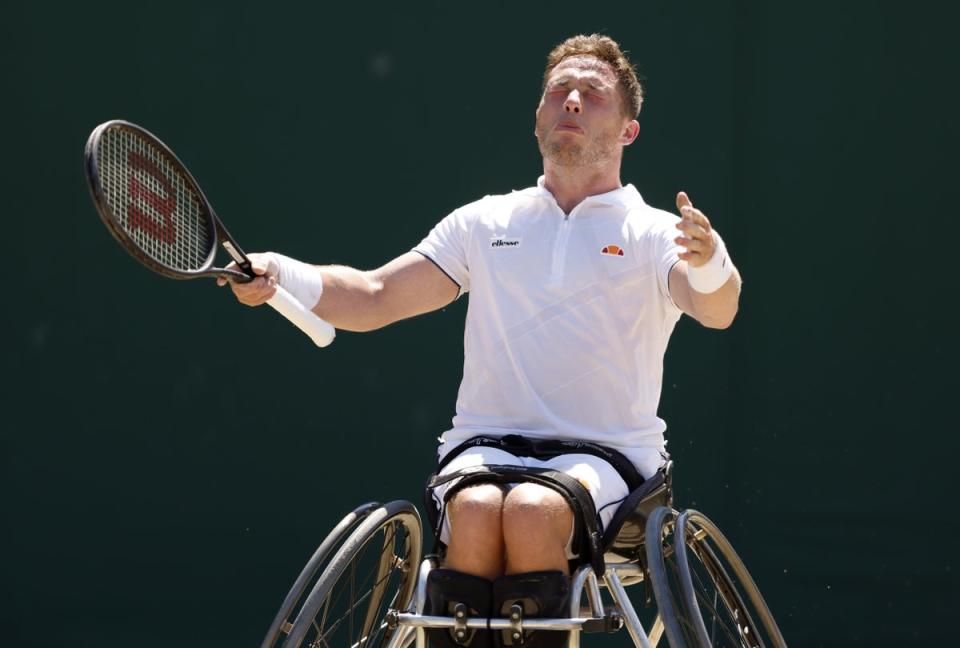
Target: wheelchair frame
404,623
583,580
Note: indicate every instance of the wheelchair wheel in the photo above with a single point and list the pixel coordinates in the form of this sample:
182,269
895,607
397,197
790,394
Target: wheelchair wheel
374,571
723,601
282,622
704,593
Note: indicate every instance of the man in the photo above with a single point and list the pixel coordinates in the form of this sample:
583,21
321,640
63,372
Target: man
576,285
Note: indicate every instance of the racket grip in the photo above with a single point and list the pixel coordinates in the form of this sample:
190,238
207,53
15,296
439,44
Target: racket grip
321,332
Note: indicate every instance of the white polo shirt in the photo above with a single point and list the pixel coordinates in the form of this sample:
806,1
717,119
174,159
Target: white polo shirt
568,321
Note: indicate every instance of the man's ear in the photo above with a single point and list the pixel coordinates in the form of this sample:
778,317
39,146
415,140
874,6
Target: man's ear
630,132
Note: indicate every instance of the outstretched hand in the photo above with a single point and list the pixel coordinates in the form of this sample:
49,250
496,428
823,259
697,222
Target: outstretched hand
697,235
260,289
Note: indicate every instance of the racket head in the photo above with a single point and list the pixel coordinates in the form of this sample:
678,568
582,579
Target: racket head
150,202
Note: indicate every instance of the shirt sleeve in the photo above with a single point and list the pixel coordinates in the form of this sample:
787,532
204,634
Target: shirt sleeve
446,245
667,255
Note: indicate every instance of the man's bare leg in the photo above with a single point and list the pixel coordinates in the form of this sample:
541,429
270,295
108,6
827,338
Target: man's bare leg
536,527
476,532
474,559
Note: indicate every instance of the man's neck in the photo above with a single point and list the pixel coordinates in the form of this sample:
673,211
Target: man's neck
571,185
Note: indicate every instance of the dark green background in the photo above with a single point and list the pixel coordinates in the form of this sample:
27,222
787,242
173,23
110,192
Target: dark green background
168,458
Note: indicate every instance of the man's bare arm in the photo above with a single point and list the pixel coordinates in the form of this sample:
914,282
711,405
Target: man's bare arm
363,300
714,309
355,300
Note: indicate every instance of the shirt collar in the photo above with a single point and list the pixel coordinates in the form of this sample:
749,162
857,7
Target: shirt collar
625,196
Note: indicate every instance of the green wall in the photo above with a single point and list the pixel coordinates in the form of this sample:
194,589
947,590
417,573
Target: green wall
169,458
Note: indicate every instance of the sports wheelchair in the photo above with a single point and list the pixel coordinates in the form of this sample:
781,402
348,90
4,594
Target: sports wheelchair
365,586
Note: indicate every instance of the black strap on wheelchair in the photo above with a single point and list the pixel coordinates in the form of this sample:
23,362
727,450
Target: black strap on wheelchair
521,446
587,538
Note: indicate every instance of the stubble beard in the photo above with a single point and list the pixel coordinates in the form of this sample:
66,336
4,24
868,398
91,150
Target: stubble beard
570,152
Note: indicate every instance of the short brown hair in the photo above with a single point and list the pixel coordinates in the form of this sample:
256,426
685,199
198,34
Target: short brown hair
607,50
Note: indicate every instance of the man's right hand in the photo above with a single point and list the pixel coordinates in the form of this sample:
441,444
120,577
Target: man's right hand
260,289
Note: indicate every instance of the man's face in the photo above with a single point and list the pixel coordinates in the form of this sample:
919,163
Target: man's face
580,120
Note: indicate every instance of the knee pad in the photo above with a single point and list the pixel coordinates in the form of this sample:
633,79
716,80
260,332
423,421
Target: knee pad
543,594
445,589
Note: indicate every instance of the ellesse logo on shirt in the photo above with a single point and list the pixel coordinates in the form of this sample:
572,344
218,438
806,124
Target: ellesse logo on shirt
504,243
612,250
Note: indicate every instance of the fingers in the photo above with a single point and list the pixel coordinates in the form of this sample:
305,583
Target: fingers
254,292
696,232
695,244
223,281
694,225
690,213
259,289
694,259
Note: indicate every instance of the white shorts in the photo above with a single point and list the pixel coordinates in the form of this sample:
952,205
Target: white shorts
604,484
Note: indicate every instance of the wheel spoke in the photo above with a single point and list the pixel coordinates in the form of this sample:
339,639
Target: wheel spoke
715,614
359,601
346,607
727,592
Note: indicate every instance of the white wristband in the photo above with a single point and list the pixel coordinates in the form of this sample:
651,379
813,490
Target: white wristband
302,280
714,273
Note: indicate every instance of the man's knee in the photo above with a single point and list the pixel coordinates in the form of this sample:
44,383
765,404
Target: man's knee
475,543
535,510
476,509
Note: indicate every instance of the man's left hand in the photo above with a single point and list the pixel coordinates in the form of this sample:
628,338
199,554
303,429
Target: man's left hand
697,235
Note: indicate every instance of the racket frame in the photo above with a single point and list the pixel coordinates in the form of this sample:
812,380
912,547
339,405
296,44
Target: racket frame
321,332
215,229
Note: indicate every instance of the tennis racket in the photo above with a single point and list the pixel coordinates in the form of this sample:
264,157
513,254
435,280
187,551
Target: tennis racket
158,213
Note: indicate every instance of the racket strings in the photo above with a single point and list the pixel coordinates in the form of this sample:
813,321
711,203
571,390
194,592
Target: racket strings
154,204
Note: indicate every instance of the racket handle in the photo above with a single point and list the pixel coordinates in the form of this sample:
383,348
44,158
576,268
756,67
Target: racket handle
321,332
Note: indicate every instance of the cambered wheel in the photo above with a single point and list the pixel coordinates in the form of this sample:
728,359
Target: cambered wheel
374,571
721,599
664,574
283,621
704,593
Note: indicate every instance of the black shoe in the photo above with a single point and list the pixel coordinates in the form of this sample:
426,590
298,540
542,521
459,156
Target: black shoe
446,589
544,595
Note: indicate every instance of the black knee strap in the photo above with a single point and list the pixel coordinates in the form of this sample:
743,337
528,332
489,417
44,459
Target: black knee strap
543,595
446,588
